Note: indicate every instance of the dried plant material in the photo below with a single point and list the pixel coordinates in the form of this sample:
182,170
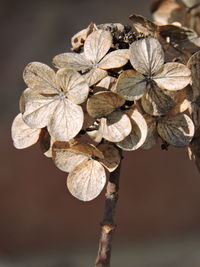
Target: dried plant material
131,85
46,142
195,148
108,83
87,180
115,127
182,100
188,3
138,133
56,106
194,65
23,136
67,157
111,158
143,25
176,130
79,38
95,135
152,135
94,60
173,76
103,103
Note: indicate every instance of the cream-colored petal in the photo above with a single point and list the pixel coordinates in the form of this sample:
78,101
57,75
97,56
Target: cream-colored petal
39,109
173,76
66,121
108,83
152,135
87,180
23,136
97,45
66,158
115,127
39,76
74,61
112,157
94,75
146,55
156,102
176,130
73,85
131,85
103,103
114,59
194,65
95,135
138,133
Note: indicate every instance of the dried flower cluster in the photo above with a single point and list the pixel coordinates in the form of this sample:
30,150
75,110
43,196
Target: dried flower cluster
121,87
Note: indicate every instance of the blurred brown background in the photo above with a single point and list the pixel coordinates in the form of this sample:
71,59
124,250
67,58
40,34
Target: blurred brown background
41,224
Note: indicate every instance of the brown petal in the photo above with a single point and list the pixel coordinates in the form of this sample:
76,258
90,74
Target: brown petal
114,59
23,136
138,134
103,103
112,157
131,85
152,136
146,55
97,45
173,76
176,130
182,101
87,180
46,142
115,127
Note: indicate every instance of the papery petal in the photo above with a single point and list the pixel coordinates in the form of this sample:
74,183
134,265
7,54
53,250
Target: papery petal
173,76
74,61
23,136
156,102
95,135
66,121
115,127
112,157
94,75
97,45
103,103
114,59
46,142
146,55
152,135
138,133
176,130
131,85
73,84
182,100
39,76
87,180
108,83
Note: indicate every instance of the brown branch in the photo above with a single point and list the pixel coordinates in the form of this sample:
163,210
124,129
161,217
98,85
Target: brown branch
108,225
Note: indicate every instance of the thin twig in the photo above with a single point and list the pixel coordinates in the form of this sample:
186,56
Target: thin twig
108,225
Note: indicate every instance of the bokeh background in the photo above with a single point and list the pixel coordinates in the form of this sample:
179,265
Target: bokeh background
41,224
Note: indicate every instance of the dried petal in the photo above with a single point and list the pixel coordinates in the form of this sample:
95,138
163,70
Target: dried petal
39,76
23,136
173,76
73,84
108,83
176,130
66,121
182,101
97,45
87,180
131,85
115,127
146,55
115,59
138,134
112,157
95,135
103,103
94,75
152,136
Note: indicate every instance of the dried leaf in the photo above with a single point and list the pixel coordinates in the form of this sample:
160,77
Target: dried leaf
138,134
173,76
87,180
131,85
103,103
115,127
112,157
114,59
146,55
97,45
152,136
176,130
23,136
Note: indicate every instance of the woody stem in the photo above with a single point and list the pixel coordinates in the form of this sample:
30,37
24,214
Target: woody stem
108,225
